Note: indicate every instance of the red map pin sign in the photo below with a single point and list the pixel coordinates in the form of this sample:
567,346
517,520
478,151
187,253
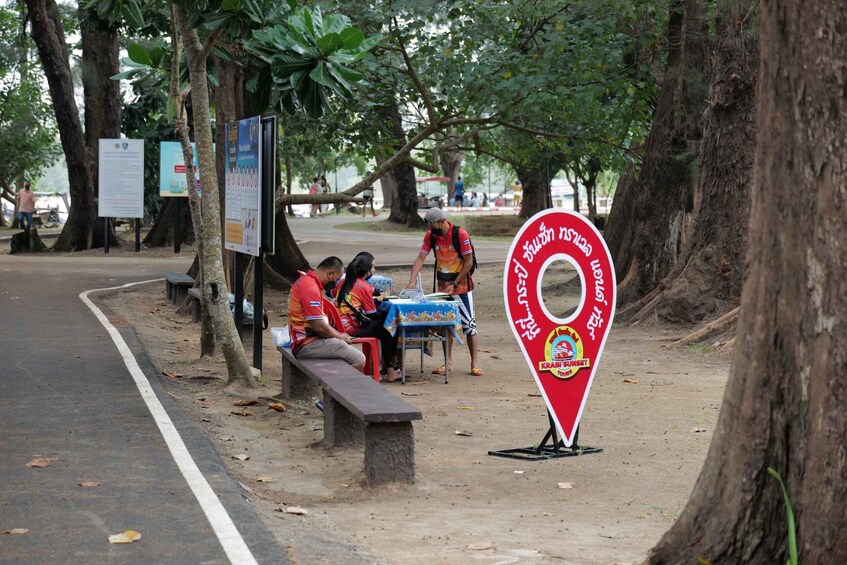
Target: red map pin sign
562,353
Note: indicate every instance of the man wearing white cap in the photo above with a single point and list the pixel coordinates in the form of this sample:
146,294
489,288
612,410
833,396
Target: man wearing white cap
453,275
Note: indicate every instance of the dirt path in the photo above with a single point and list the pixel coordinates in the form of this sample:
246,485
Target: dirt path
652,410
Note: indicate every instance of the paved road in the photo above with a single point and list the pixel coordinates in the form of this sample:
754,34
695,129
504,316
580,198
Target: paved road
320,237
65,393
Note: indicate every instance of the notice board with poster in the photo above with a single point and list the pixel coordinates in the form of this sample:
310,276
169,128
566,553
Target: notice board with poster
121,178
243,181
172,181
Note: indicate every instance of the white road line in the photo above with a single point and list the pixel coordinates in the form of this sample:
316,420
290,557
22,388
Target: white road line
233,544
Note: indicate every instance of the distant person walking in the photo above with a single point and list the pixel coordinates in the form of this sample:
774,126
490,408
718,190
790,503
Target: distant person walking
26,206
314,188
324,185
459,192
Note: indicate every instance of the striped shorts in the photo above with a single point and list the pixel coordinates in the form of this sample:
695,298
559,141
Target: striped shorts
466,312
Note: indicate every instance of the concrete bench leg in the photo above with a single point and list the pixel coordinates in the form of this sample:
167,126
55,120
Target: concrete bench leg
168,288
180,293
389,453
340,426
295,384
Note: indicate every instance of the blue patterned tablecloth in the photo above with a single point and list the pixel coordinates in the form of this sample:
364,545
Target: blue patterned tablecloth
441,313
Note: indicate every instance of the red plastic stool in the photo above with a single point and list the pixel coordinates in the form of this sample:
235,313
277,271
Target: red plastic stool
370,347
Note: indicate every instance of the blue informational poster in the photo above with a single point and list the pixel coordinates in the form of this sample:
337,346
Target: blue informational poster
243,203
172,169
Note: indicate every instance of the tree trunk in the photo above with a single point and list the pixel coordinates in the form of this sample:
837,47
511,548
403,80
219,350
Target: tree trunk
162,232
230,105
283,265
82,223
451,164
662,194
215,299
101,94
714,266
404,208
784,405
534,183
389,187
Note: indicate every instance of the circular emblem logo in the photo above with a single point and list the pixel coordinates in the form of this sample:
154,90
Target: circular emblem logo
563,353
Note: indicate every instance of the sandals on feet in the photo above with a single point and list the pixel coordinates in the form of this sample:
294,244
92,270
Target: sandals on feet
477,372
442,370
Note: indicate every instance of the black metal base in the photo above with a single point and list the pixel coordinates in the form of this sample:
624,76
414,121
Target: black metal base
548,449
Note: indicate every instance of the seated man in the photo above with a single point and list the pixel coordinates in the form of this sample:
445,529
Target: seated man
312,336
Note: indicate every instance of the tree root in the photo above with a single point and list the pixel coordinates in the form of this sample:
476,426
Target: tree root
721,324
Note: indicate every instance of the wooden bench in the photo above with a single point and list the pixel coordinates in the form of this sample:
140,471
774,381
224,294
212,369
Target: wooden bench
357,410
177,286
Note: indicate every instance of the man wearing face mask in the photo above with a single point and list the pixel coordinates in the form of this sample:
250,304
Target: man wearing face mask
453,275
312,336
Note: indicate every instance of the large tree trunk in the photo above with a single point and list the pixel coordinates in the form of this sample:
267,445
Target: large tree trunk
215,291
404,208
389,186
230,105
82,226
162,232
451,165
101,94
662,195
534,184
283,265
714,267
784,406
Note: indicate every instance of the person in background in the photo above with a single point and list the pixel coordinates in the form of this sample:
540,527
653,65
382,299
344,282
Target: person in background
368,197
26,206
324,186
453,276
355,300
312,336
314,188
459,192
474,200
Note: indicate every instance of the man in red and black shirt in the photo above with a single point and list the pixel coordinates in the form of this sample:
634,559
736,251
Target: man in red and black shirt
312,336
454,266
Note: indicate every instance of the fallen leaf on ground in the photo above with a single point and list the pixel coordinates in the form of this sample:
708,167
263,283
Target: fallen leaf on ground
630,381
226,438
205,420
241,457
296,510
16,531
497,357
463,433
565,485
89,484
537,394
173,375
519,472
250,402
411,393
464,407
697,430
266,480
278,406
484,350
241,413
42,462
128,536
480,546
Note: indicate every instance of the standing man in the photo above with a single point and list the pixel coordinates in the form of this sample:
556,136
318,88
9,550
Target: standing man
26,206
368,198
454,266
459,192
312,336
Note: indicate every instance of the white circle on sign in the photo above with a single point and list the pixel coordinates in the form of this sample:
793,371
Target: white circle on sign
550,260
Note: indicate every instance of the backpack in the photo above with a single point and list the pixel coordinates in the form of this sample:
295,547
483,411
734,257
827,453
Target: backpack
456,246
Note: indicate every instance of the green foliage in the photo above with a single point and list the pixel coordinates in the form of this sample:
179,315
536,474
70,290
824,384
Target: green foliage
27,126
789,513
306,59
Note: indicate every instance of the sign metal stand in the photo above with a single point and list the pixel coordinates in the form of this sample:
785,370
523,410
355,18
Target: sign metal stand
551,447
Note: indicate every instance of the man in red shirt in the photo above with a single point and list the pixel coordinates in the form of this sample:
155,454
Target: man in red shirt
26,206
453,276
312,336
